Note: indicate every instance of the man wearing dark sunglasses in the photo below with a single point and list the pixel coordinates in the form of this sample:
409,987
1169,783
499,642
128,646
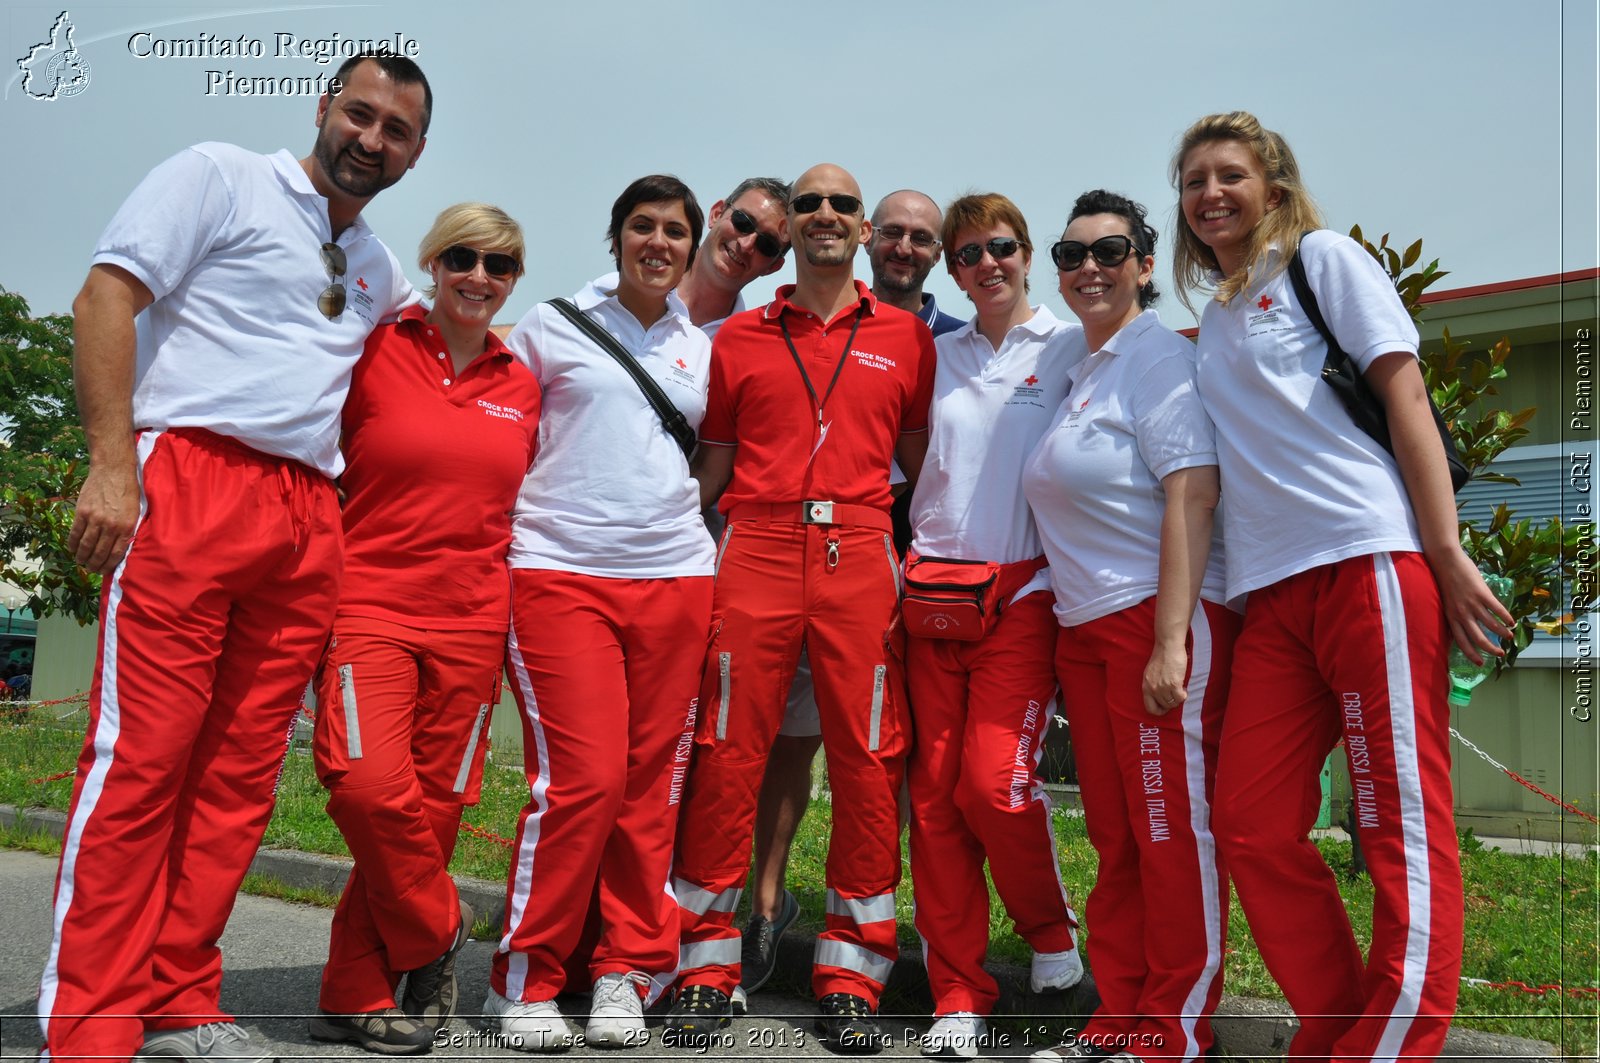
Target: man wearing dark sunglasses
811,397
746,238
209,508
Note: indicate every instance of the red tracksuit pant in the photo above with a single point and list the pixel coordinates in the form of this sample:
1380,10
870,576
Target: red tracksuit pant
1158,911
606,672
1355,649
402,727
979,712
209,629
780,585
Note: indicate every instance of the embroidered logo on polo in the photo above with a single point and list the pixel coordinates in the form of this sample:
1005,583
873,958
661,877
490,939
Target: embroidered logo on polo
1267,317
681,374
509,413
1027,393
1076,412
880,362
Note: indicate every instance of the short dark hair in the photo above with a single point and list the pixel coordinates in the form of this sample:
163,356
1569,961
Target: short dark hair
402,70
1143,235
772,186
657,188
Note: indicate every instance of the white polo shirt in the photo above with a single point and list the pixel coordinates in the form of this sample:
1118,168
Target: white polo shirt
1303,485
229,243
610,493
1131,418
990,407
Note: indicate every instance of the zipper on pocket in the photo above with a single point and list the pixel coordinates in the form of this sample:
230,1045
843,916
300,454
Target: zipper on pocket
352,719
894,564
725,688
878,680
472,748
722,548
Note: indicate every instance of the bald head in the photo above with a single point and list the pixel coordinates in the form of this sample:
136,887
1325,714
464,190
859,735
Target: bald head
903,201
824,232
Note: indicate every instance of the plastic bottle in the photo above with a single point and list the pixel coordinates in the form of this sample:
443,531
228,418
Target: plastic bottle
1464,675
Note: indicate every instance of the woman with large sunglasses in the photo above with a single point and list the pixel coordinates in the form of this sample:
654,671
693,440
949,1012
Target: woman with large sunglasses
980,703
439,430
1356,580
1124,488
611,607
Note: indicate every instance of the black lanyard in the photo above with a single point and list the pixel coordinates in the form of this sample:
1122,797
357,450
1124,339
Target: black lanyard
783,322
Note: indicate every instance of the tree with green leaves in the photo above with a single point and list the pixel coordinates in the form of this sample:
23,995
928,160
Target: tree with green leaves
43,460
1537,553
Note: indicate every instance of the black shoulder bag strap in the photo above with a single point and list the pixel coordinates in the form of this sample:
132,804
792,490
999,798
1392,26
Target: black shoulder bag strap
672,419
1341,374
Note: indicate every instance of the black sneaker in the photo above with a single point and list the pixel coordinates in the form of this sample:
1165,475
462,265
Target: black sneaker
699,1012
848,1024
430,995
390,1031
758,953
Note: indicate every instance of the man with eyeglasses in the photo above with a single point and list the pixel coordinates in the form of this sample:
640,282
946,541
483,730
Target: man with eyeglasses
209,509
746,238
903,251
811,397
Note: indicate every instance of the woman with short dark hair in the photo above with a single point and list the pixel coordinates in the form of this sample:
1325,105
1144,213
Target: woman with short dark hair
611,606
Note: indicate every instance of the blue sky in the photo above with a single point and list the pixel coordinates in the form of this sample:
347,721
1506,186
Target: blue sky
1471,124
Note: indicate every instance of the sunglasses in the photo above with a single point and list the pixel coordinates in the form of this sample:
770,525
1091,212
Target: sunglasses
1000,247
1109,251
921,239
744,225
812,201
331,301
458,259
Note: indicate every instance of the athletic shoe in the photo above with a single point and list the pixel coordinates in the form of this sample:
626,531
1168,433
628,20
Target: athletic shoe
431,990
699,1012
1052,972
390,1031
535,1027
847,1024
214,1040
1071,1048
758,953
616,1012
955,1036
739,1001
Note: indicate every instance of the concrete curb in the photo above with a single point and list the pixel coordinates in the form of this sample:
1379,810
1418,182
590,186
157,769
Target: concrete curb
1246,1028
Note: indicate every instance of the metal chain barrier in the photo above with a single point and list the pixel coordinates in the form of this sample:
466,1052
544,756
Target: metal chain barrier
1459,737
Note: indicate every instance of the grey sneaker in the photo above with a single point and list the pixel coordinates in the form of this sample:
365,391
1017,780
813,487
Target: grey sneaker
430,995
758,951
390,1031
214,1040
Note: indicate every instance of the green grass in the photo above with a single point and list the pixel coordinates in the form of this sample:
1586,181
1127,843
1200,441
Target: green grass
1529,919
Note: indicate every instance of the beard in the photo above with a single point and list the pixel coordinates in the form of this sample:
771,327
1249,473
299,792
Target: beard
346,174
836,253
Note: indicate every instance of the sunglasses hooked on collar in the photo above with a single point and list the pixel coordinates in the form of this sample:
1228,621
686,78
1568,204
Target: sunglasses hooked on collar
331,301
744,225
998,248
458,259
1108,251
811,202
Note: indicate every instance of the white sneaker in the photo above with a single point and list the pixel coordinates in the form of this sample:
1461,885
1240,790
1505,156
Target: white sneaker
535,1027
955,1036
616,1012
1052,972
741,1001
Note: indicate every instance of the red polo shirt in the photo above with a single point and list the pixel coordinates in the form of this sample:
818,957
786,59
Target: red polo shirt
759,402
434,463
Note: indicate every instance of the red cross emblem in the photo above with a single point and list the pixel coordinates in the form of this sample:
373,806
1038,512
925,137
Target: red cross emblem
1264,303
1032,380
682,364
361,282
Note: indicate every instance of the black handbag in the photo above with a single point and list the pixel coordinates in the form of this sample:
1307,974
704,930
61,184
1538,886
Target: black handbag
1341,374
672,418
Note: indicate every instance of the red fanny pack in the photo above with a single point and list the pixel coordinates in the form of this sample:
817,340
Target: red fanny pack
949,599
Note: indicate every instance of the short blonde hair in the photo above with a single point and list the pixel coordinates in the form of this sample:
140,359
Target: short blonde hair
477,225
1296,212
